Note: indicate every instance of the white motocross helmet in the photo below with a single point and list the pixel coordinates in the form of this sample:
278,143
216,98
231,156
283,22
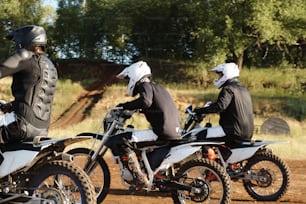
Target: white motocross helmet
227,71
135,73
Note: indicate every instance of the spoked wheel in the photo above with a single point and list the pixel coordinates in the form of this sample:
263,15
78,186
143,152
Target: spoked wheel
269,179
60,182
207,180
99,174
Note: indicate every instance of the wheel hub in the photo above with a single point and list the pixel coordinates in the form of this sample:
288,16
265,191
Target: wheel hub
265,178
52,196
200,192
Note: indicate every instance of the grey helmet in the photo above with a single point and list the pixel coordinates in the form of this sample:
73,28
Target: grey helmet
28,36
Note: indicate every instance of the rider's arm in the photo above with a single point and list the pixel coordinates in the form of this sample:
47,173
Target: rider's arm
143,101
223,101
11,65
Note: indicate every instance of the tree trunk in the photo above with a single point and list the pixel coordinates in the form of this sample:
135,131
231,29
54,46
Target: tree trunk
240,60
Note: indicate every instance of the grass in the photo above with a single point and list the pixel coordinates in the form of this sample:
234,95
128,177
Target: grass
67,92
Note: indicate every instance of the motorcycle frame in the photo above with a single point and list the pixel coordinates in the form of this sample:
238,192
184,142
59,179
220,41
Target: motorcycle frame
174,156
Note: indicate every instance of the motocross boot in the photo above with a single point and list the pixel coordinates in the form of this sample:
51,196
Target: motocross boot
211,155
141,178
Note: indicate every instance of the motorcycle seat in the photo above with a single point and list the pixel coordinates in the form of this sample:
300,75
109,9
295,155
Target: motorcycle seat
148,144
247,143
159,143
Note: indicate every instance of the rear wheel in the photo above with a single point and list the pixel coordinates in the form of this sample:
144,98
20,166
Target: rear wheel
269,179
61,182
99,174
209,183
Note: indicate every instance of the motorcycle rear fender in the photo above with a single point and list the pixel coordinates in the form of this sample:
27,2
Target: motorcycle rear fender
57,145
240,154
48,147
90,134
15,160
27,155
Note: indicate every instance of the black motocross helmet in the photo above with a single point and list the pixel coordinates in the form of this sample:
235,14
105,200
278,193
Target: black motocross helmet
28,36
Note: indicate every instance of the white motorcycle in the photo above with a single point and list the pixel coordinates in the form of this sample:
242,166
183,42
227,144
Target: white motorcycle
265,176
39,172
179,170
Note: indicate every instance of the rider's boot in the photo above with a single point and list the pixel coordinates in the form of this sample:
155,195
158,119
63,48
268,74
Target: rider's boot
135,167
211,155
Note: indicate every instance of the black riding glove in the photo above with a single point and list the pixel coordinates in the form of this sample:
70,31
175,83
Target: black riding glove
200,111
5,107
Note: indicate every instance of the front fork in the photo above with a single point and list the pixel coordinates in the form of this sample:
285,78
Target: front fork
92,160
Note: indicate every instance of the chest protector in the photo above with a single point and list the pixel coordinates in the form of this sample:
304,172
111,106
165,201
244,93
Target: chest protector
33,88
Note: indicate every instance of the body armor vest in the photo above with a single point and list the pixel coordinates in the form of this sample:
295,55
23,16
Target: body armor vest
33,88
44,89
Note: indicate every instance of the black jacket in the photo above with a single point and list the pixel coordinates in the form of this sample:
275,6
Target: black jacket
159,109
234,104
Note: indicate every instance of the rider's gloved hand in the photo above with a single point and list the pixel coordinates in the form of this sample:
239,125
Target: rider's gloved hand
198,111
5,107
121,105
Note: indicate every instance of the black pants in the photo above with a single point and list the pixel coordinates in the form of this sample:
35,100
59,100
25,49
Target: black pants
119,146
119,143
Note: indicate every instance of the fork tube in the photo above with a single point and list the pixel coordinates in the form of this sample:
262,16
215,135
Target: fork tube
101,150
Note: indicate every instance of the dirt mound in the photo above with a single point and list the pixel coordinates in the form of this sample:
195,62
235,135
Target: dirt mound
102,73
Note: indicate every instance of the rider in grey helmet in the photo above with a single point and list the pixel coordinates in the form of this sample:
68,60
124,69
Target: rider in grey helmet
33,86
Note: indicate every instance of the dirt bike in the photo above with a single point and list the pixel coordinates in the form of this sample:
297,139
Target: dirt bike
40,172
188,180
265,176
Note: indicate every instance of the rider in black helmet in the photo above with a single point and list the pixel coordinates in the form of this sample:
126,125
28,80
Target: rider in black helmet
34,80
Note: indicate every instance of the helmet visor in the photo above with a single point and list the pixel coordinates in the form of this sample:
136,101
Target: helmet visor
123,74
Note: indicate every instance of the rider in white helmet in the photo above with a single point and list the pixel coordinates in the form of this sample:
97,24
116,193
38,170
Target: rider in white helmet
135,72
234,104
157,105
226,71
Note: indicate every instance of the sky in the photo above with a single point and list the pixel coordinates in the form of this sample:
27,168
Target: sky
52,3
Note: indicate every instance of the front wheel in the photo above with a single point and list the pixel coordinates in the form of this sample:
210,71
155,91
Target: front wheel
269,177
99,174
61,182
208,181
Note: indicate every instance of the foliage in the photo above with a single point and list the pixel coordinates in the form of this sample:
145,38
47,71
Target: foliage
16,13
258,32
251,32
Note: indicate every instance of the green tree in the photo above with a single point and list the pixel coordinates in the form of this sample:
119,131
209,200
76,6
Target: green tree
259,32
242,27
16,13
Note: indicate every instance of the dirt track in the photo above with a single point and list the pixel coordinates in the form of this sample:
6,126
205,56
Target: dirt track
295,194
78,110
